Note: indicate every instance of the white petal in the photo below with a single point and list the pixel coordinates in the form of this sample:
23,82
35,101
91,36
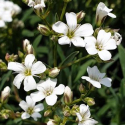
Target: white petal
36,115
39,107
71,20
38,68
112,15
87,113
51,100
84,30
110,45
89,122
59,90
83,109
2,23
78,42
18,79
17,67
79,116
64,40
106,82
37,96
29,83
25,115
60,27
29,60
31,3
23,105
30,101
104,55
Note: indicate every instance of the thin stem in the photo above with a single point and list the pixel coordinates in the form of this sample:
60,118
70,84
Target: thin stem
76,61
55,53
63,11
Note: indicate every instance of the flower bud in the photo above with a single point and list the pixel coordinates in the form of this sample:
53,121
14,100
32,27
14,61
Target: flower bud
3,65
82,88
5,113
80,16
89,101
54,72
52,122
48,113
20,54
68,95
11,58
74,110
25,43
44,30
117,37
5,94
29,49
18,114
57,118
66,111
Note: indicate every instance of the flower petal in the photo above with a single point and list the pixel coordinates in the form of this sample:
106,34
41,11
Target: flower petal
106,82
23,105
51,100
29,83
79,116
18,79
39,107
2,23
36,115
112,15
60,27
105,55
29,60
37,96
83,109
30,101
71,20
84,30
25,115
64,40
59,90
89,122
78,42
110,45
38,68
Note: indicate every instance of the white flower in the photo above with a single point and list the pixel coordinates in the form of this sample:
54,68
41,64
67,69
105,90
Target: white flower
84,116
117,37
72,32
102,11
96,78
30,109
5,93
37,4
26,72
48,91
100,46
51,122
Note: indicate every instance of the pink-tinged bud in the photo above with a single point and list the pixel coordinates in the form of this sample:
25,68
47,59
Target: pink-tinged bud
5,94
44,30
29,49
11,58
80,16
89,101
26,42
68,95
54,72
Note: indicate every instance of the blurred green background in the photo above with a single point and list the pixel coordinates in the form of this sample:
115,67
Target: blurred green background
110,102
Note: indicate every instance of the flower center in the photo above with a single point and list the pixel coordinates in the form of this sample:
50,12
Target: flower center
30,110
70,34
27,72
99,46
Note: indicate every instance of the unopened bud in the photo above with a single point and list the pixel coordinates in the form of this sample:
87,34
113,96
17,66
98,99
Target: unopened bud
48,113
82,88
44,30
54,72
74,110
29,49
11,58
20,54
68,95
89,101
80,16
66,113
57,118
43,76
3,65
52,122
18,114
5,113
26,42
5,94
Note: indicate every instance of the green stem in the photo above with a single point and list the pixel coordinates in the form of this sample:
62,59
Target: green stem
33,122
76,61
63,11
55,53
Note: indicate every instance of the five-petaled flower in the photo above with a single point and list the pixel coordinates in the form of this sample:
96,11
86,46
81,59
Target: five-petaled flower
101,45
96,78
26,72
48,91
84,116
72,32
30,109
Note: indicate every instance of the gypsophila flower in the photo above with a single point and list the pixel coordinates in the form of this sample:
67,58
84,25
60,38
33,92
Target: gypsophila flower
101,45
46,89
84,116
117,37
26,72
72,32
96,78
102,11
31,110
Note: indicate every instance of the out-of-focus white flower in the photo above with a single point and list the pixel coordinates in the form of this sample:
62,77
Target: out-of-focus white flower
48,91
117,37
30,109
101,45
72,32
26,72
96,78
37,4
84,116
102,11
51,122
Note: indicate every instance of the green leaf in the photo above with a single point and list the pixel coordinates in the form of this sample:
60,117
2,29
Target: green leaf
122,58
37,41
27,33
69,58
122,88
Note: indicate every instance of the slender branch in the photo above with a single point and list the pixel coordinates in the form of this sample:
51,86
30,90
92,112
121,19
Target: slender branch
55,53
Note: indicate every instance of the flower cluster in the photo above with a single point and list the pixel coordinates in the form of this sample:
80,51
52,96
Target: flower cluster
7,10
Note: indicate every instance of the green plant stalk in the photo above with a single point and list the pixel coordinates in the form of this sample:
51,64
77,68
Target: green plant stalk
63,11
55,53
76,61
